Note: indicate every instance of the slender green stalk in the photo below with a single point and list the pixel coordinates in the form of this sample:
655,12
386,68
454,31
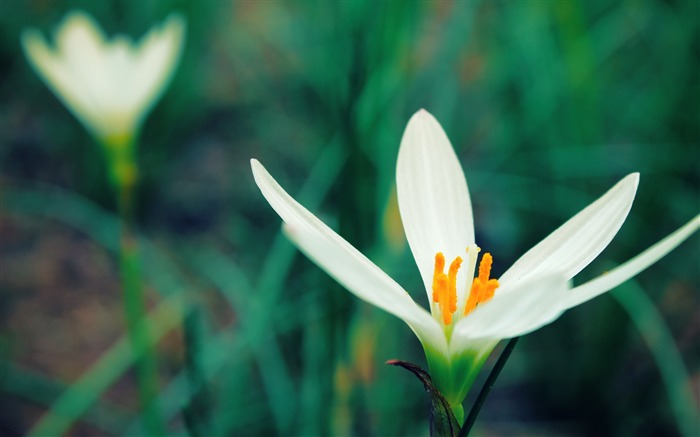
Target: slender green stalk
120,151
488,385
135,313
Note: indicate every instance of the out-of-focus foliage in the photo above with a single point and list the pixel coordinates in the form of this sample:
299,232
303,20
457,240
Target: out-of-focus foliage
547,104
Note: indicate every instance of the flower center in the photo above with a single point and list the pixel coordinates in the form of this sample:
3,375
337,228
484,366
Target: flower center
445,296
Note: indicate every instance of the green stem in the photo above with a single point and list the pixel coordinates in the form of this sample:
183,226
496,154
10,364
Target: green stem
135,314
124,177
488,385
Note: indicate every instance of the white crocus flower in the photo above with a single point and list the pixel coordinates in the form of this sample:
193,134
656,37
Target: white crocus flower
109,85
470,312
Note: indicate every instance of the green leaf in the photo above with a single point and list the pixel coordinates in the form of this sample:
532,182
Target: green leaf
442,421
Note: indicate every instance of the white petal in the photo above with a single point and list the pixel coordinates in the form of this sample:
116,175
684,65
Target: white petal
58,76
578,241
155,60
433,197
81,46
345,263
79,25
535,303
121,95
620,274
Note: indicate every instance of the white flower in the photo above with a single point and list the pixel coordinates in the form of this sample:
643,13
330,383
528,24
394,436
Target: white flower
468,315
109,85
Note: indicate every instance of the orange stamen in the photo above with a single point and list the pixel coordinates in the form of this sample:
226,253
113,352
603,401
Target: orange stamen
439,267
445,286
483,288
452,285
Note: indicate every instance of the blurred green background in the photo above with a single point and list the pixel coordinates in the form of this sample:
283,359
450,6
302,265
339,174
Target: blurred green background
547,103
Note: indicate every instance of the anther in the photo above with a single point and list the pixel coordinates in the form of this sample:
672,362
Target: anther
483,287
452,285
445,286
437,276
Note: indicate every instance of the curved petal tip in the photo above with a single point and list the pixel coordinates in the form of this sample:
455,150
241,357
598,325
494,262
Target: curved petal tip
422,118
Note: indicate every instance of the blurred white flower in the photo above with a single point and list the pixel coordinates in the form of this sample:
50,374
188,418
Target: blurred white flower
469,314
109,84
